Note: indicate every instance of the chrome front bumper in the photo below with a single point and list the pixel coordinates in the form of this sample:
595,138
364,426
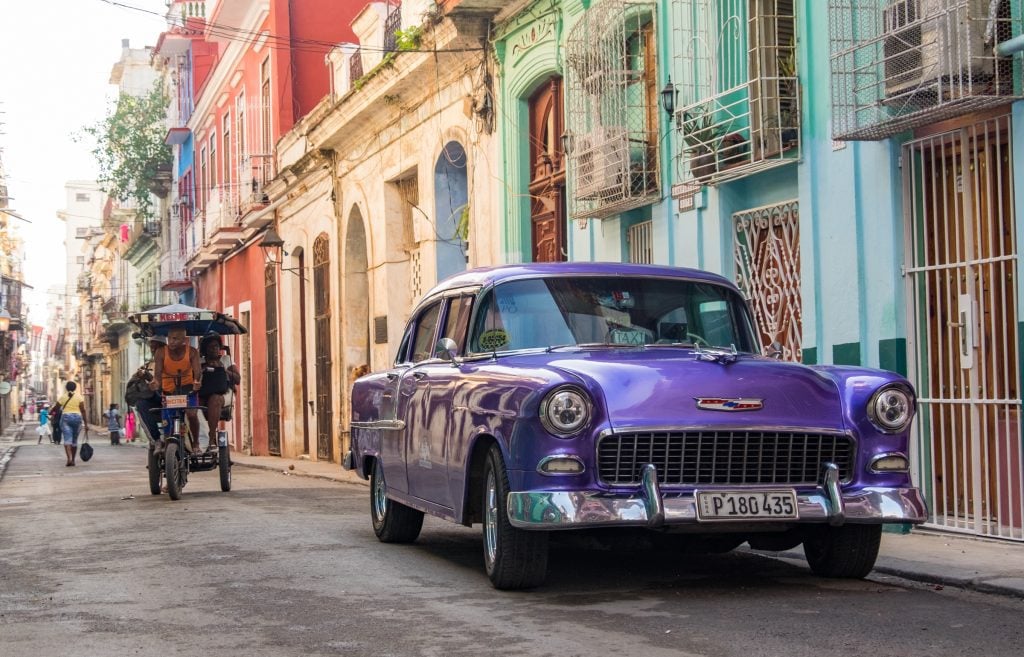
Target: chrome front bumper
651,508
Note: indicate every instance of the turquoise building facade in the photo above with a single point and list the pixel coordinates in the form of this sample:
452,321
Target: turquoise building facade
855,166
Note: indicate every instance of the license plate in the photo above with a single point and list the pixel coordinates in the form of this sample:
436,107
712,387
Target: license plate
176,401
741,505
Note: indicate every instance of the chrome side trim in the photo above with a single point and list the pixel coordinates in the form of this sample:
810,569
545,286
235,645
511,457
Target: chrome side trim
550,510
682,428
390,425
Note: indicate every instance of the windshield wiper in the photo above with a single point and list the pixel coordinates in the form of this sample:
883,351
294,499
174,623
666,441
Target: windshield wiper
584,345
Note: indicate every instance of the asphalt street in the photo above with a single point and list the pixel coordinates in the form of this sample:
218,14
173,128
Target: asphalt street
92,564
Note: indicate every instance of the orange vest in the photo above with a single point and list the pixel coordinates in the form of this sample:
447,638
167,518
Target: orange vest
177,373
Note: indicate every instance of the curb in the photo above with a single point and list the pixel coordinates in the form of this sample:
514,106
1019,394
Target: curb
977,584
297,473
5,458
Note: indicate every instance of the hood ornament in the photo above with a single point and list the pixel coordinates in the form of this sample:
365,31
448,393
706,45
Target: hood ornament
729,404
721,355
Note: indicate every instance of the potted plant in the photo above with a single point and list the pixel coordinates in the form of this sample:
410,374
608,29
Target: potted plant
789,107
702,138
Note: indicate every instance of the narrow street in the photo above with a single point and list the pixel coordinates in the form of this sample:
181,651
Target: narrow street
92,564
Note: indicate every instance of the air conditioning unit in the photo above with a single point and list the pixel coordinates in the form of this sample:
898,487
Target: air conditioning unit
934,48
602,164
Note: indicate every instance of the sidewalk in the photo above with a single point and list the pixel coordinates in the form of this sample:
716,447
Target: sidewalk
940,559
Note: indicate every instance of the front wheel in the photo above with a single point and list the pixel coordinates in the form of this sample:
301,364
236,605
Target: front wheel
224,465
848,551
514,558
392,522
153,463
172,471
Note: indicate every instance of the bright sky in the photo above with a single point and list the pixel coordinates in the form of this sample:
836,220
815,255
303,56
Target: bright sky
55,61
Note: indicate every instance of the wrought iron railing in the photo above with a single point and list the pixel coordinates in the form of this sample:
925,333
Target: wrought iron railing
355,66
392,24
611,110
738,109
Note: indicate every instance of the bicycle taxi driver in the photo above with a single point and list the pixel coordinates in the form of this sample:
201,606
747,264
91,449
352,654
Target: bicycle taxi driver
177,371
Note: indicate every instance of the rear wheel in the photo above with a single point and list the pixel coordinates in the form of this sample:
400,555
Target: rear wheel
172,471
514,558
153,463
224,465
392,522
848,551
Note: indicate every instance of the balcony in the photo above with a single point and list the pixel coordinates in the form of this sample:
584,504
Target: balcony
738,108
611,111
173,272
222,226
900,64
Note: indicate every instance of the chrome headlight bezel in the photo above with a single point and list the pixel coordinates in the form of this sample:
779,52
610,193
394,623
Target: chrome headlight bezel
887,399
553,405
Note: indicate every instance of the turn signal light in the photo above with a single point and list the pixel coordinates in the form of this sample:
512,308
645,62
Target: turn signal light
890,463
560,465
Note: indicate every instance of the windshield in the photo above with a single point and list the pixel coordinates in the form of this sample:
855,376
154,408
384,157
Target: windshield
607,310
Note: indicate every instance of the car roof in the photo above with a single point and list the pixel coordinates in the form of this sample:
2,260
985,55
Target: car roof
486,276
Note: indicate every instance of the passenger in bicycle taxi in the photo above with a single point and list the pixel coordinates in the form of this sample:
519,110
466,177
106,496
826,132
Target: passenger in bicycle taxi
177,371
219,374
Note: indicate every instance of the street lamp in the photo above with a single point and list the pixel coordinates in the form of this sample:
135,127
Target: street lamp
5,320
272,245
668,97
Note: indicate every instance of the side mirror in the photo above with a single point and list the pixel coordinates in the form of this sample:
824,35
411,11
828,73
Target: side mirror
447,350
775,351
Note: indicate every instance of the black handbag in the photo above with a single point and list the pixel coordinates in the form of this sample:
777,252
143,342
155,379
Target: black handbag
86,451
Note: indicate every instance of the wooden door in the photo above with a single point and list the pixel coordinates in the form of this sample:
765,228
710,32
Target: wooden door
322,317
273,381
547,173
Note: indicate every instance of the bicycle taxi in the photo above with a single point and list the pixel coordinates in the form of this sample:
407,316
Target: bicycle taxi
174,455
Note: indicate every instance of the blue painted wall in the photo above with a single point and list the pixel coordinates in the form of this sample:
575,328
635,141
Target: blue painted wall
451,196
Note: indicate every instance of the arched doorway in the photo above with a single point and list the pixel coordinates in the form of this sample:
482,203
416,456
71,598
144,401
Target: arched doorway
451,194
322,319
547,173
356,321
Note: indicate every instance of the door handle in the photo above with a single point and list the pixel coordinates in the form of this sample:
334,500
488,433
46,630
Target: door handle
391,376
419,375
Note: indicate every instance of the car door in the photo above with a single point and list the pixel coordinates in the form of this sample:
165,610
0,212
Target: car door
393,440
448,435
425,462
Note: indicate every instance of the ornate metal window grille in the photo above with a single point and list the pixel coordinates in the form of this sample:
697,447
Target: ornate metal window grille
612,109
767,251
738,110
900,64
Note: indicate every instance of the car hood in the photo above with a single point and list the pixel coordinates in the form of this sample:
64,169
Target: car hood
661,387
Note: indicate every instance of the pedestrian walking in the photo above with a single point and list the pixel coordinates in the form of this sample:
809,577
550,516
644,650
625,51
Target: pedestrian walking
114,424
71,407
43,429
129,426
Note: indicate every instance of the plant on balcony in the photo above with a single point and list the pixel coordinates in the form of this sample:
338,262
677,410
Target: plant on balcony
702,138
130,148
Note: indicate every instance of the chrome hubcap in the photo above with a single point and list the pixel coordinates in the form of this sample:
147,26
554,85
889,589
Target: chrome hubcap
380,499
490,519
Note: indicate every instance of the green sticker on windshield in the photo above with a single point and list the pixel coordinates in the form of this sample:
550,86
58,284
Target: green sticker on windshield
493,339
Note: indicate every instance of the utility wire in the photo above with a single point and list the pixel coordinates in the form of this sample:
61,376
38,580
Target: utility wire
310,45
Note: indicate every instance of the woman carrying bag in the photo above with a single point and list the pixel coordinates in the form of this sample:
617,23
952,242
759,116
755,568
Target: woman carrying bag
71,409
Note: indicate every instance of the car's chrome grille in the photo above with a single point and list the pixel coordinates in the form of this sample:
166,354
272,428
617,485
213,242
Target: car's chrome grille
692,458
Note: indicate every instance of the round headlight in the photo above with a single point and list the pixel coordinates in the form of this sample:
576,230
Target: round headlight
565,411
891,409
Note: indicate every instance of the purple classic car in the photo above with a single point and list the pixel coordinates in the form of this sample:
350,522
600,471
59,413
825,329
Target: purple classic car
544,397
